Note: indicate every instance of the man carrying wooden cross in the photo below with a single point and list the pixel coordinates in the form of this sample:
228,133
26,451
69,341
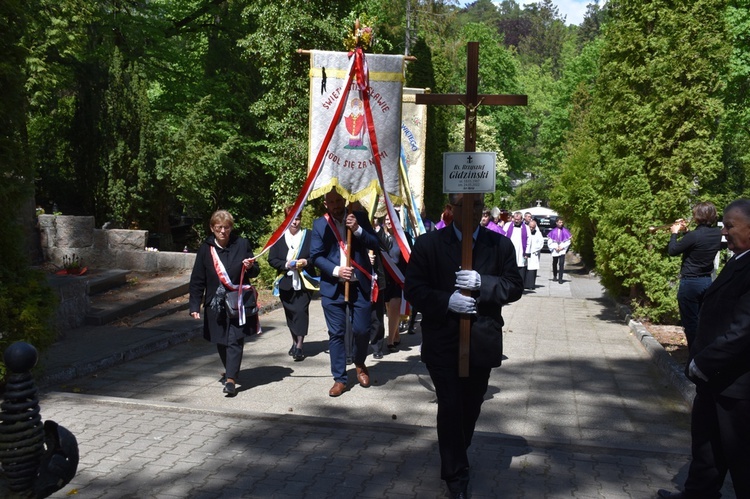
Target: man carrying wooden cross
459,277
433,284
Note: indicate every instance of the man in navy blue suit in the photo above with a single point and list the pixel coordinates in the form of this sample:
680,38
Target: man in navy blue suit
328,253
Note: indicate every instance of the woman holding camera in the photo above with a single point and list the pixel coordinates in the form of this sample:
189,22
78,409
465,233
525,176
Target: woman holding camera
698,248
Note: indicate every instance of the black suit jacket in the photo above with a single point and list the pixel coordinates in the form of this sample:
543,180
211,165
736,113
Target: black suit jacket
722,345
431,279
277,259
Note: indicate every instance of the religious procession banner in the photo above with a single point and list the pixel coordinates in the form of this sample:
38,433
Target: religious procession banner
413,139
354,127
355,130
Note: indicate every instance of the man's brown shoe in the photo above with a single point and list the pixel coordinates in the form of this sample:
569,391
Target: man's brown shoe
363,376
337,389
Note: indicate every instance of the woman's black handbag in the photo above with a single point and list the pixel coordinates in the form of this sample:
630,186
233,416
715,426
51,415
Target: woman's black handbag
249,301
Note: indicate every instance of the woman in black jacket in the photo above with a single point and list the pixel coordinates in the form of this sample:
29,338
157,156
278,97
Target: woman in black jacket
222,260
289,256
698,248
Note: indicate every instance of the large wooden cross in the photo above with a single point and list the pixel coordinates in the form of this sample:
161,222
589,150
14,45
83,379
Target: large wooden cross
471,101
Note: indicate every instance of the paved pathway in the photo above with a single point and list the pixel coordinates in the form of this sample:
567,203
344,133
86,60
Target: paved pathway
576,410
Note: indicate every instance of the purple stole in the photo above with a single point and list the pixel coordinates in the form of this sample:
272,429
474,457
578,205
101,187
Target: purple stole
559,235
494,227
524,235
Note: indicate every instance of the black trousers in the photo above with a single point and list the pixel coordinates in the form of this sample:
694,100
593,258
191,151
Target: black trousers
231,354
459,404
555,260
377,326
721,443
690,298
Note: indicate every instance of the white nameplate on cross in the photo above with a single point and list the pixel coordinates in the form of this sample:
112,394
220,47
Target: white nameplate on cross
466,172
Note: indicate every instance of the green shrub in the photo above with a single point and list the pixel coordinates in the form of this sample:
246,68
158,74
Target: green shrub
27,309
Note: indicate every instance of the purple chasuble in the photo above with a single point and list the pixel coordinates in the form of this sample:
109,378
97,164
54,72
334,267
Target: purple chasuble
559,235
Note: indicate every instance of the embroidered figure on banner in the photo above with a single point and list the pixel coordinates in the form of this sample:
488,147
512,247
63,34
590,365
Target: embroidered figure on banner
355,122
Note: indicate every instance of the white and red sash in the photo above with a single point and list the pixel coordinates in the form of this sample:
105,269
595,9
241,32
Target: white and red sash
227,282
392,268
398,277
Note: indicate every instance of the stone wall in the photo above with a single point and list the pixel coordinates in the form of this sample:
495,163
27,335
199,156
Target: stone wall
73,236
73,302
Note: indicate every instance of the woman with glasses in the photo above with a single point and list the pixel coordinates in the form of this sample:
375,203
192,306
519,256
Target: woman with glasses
221,274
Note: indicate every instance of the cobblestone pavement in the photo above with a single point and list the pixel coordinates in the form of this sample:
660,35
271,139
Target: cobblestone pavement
576,410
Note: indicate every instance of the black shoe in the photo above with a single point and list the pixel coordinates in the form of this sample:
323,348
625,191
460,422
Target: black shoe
291,350
460,494
230,389
349,361
377,355
299,355
560,281
663,493
392,348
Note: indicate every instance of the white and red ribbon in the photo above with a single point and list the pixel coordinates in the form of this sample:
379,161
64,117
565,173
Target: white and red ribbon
373,278
228,284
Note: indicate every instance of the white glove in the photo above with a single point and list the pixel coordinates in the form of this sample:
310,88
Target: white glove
468,279
462,304
695,372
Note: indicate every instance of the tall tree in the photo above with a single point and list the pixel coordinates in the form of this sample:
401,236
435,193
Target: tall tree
546,37
574,193
481,11
593,21
654,122
282,110
106,77
26,302
513,23
734,181
67,80
551,105
126,132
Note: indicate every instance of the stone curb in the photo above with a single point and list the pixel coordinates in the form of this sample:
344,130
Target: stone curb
665,362
130,352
